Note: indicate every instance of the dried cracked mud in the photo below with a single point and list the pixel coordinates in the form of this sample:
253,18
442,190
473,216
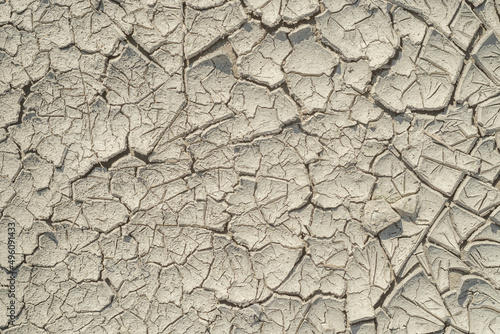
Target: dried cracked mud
253,166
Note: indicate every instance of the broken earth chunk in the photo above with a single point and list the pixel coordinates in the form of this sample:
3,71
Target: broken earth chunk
378,215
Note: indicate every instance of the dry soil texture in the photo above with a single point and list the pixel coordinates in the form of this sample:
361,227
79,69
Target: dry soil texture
253,166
